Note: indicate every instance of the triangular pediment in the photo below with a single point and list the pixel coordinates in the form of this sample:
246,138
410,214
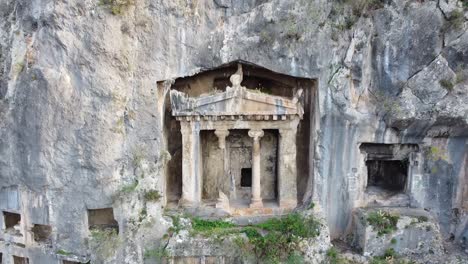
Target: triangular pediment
234,101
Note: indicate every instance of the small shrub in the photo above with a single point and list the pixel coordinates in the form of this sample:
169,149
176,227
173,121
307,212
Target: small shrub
152,195
393,241
422,219
117,7
389,256
446,84
129,188
332,253
383,222
462,75
456,19
104,242
176,225
156,253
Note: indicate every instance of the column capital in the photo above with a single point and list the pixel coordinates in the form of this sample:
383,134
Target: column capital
256,134
222,134
286,131
188,127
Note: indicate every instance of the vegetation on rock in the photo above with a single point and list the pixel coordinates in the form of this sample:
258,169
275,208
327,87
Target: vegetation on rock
117,7
152,195
446,84
390,257
104,242
273,241
383,222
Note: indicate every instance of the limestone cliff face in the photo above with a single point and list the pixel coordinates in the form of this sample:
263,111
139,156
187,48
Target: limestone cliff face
79,100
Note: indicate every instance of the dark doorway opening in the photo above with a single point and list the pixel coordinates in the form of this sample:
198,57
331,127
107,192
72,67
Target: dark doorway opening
246,177
389,175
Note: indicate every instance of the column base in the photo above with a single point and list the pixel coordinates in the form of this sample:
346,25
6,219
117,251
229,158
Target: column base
256,203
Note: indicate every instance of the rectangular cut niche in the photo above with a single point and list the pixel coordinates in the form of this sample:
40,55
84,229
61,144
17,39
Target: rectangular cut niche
387,166
12,223
389,175
20,260
102,219
42,233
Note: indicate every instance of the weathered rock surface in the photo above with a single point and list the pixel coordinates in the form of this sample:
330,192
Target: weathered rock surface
79,115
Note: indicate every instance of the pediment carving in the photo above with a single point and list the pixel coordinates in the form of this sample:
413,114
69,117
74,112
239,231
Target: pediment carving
235,100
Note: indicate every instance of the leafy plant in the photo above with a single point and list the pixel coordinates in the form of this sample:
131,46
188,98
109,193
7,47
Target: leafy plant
383,222
282,237
152,195
446,84
461,76
456,19
422,218
390,257
200,225
129,188
104,242
156,253
117,7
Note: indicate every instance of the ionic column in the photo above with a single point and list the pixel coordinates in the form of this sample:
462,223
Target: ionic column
256,201
191,164
287,170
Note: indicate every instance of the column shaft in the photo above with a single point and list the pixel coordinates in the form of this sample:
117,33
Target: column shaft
256,201
191,165
287,171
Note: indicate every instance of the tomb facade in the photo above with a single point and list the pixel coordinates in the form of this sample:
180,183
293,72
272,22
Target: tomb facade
238,147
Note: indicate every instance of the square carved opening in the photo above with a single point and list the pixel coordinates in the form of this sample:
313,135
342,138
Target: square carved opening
102,219
246,177
42,233
20,260
12,222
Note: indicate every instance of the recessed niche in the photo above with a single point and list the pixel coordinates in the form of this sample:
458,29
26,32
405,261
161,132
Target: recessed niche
102,219
388,175
20,260
387,166
12,222
246,177
42,233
